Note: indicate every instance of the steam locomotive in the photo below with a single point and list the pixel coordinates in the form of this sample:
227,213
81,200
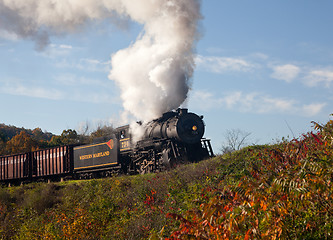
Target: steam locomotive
174,138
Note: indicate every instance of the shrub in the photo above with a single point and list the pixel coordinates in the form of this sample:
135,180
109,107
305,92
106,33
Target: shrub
286,194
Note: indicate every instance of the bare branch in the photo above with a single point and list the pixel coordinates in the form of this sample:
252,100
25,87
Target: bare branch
235,139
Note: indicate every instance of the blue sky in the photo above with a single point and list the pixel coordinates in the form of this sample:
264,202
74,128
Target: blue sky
264,67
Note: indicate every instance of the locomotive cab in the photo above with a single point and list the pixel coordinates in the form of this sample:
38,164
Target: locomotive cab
124,137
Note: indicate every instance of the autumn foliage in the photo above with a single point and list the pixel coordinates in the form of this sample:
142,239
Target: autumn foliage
286,193
15,140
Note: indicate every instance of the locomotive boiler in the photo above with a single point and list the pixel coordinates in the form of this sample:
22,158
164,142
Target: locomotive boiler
174,138
181,126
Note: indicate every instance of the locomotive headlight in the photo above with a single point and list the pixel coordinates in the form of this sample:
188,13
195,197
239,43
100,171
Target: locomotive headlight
190,128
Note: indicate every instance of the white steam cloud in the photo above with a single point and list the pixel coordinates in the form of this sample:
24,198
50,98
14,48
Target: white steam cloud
153,73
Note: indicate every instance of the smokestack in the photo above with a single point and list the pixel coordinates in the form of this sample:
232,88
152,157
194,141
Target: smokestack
153,73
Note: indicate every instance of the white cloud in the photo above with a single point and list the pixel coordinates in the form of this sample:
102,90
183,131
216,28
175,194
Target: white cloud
68,79
56,94
316,77
94,65
37,92
270,104
55,51
223,64
286,72
253,102
73,91
256,102
232,99
85,64
313,109
203,99
260,64
8,35
260,56
64,46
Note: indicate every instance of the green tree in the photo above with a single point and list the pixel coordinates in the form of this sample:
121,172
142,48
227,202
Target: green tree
40,137
101,131
38,134
3,136
2,143
67,137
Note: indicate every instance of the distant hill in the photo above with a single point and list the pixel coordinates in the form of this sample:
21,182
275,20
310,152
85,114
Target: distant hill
15,140
7,132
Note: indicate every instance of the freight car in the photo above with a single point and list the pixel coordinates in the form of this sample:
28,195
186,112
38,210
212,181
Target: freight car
174,138
53,163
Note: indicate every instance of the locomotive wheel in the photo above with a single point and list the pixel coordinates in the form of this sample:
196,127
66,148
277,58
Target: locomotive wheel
144,167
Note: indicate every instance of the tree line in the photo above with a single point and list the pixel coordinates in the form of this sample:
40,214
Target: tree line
15,140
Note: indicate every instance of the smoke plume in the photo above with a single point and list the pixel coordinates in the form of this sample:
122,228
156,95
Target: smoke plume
153,73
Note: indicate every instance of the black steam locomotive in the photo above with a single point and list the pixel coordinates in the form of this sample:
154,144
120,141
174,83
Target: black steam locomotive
174,138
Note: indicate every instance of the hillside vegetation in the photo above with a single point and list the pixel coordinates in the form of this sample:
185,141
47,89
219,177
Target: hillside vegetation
281,191
15,140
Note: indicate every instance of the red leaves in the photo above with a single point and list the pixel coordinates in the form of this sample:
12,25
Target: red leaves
247,235
283,191
150,199
316,138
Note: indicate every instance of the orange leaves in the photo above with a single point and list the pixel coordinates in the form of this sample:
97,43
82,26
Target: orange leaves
247,235
78,225
21,143
263,205
284,193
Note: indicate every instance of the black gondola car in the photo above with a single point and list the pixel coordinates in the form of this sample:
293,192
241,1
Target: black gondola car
53,162
97,157
15,167
41,164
